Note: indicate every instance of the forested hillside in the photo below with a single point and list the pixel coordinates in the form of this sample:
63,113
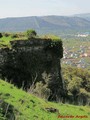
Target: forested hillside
84,15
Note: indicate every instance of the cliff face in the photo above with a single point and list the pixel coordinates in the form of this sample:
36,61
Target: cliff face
34,60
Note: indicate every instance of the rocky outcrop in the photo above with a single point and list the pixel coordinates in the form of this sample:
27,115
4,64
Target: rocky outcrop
30,61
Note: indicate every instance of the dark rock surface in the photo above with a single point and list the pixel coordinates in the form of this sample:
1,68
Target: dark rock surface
27,60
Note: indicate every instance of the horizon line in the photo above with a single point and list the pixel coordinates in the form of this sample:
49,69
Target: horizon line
41,15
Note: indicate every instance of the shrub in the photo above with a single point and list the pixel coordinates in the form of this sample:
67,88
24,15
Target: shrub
14,36
31,34
6,34
1,35
42,90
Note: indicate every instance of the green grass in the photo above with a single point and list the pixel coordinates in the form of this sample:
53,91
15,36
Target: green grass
5,41
33,108
52,37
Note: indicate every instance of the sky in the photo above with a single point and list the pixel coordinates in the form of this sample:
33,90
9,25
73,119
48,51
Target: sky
20,8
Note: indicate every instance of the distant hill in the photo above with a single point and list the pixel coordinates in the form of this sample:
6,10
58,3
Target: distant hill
85,16
45,24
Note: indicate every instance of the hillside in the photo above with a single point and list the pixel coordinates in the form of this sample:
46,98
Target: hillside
28,107
85,16
45,24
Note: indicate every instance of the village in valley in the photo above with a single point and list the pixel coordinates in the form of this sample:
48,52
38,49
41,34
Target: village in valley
77,53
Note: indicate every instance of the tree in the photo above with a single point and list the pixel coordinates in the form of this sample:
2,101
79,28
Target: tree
84,97
31,33
74,88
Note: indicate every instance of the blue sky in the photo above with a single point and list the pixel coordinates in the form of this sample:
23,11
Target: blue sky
18,8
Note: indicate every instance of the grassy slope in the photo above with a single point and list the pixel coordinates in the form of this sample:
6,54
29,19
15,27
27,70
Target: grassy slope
33,108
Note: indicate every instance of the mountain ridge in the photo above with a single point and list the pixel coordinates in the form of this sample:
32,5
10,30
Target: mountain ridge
45,24
84,15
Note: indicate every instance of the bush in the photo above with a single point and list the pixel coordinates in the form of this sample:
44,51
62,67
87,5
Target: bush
31,34
1,35
14,36
6,34
42,90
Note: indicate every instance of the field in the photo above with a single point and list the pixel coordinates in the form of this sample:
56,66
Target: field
76,42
